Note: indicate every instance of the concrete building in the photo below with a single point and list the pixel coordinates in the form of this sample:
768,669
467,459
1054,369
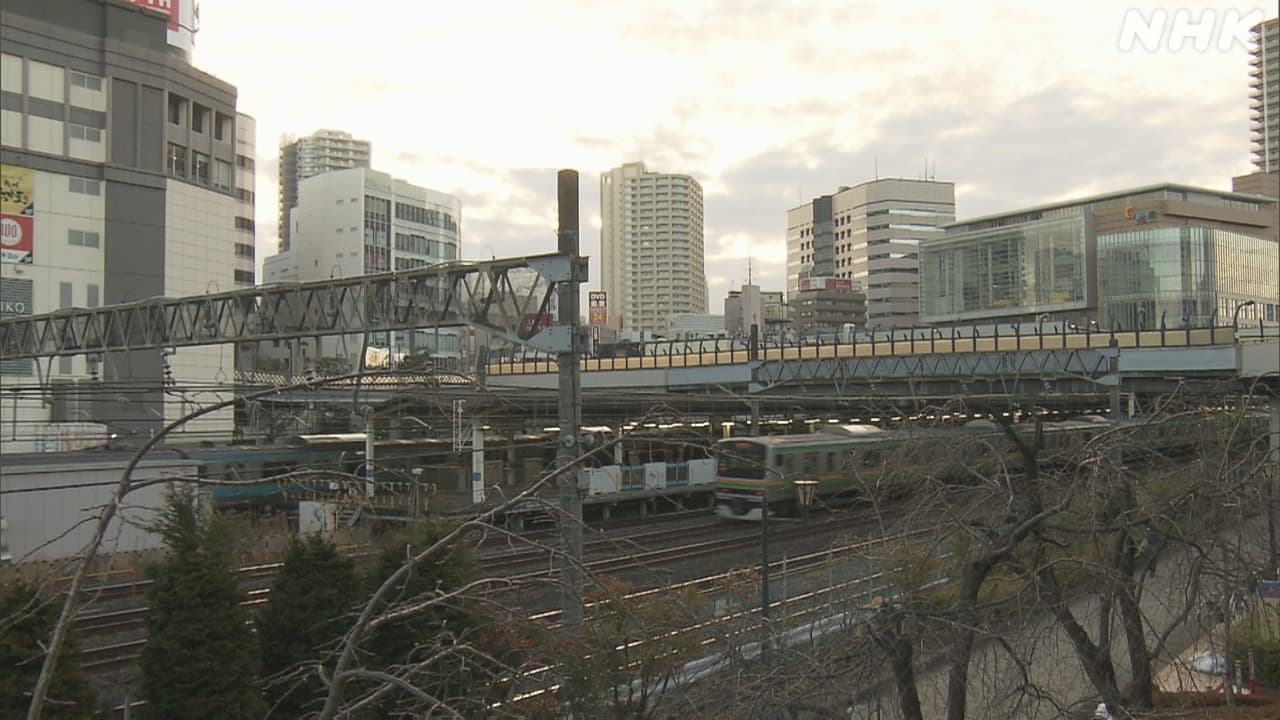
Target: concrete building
119,185
1264,93
689,326
651,247
359,221
825,305
752,306
870,234
246,244
320,152
1161,253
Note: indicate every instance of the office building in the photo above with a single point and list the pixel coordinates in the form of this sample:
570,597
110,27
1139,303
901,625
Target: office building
749,306
651,248
1161,254
119,185
360,221
689,326
320,152
1264,93
870,235
824,306
246,243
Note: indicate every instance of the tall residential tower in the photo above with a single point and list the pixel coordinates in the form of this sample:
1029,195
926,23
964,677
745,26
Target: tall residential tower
1265,94
651,247
870,234
301,158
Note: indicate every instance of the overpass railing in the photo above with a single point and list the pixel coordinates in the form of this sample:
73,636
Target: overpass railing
670,354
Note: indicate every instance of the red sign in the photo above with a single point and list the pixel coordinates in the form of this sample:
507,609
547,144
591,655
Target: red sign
16,240
531,324
167,7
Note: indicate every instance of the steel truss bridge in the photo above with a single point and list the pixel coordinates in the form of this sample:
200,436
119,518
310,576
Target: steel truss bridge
499,296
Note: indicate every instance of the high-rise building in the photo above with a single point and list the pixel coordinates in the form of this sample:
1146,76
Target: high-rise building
320,152
1265,95
359,221
651,248
870,235
246,137
118,185
766,309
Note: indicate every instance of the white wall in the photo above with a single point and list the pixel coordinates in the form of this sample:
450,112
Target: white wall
200,238
37,518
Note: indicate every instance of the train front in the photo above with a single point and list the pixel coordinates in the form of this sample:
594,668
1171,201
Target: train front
743,480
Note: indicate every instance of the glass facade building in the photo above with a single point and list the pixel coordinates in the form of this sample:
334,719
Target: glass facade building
1186,276
1029,268
1187,255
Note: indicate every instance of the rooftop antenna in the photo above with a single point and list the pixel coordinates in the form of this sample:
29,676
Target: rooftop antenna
877,167
748,269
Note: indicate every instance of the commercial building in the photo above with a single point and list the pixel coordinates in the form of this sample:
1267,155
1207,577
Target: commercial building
118,185
359,221
320,152
689,326
750,305
651,248
870,235
1264,93
1165,253
825,305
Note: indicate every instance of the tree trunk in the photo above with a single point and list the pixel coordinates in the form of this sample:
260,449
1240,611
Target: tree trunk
1096,664
1140,689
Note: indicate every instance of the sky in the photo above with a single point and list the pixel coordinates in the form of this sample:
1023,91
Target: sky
766,103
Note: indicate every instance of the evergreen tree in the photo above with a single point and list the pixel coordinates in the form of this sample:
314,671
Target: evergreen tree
306,615
448,627
200,661
26,622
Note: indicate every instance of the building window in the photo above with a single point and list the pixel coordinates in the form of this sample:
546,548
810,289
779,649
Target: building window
177,108
244,276
91,297
199,118
84,132
244,223
85,187
244,161
83,238
222,127
86,81
200,167
244,251
222,174
177,160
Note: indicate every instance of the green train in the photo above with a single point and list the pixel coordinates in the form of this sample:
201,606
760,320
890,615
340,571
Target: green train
853,461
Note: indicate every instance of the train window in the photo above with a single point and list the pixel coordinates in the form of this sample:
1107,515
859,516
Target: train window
831,462
871,458
777,461
810,463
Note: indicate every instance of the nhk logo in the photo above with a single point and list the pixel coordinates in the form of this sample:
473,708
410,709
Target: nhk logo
1160,29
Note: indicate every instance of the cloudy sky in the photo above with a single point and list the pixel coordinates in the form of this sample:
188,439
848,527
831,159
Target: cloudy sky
766,103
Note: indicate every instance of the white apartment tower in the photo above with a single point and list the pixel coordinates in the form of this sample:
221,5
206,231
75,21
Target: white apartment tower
246,228
361,221
870,234
651,247
320,152
1265,95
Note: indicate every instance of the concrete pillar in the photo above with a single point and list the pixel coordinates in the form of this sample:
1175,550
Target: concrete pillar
477,461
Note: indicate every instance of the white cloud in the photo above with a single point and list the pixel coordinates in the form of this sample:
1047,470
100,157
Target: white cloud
766,103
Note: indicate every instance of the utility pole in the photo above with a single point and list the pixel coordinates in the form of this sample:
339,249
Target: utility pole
570,406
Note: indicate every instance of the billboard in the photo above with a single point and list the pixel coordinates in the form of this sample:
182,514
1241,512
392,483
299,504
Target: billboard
183,20
826,283
169,8
597,308
17,214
